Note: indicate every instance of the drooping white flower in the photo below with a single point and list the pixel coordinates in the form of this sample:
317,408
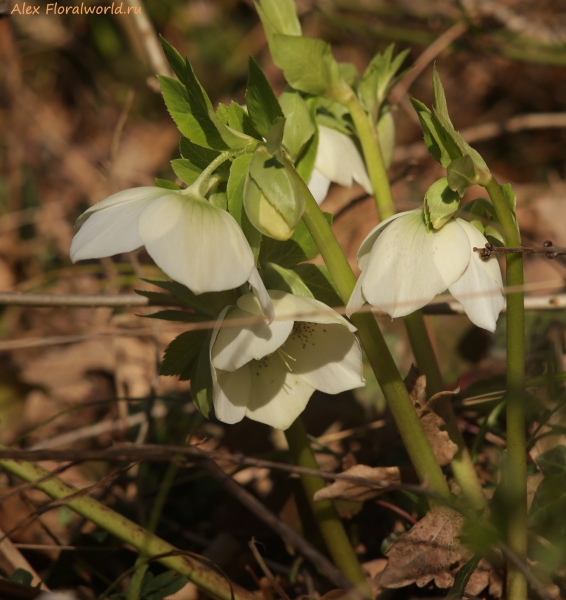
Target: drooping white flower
268,372
337,160
191,240
404,266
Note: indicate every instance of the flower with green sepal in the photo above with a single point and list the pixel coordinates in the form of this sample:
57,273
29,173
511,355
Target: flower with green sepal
268,372
405,265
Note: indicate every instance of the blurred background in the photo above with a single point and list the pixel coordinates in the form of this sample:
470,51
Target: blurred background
81,117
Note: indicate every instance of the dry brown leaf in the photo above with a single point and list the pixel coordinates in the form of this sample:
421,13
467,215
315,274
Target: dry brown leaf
432,414
346,490
428,551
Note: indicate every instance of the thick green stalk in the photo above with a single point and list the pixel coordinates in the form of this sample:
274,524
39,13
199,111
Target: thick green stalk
382,363
325,513
372,153
516,479
129,532
461,463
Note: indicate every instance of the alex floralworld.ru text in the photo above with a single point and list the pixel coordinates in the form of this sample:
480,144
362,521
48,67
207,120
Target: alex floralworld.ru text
55,9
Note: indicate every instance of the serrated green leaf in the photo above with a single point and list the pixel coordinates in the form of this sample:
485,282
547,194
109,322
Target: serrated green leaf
239,119
319,281
300,247
462,174
299,126
481,207
207,304
176,61
198,155
185,170
182,352
166,184
176,315
222,113
463,575
510,196
305,162
191,118
439,96
263,107
201,379
235,191
278,16
274,137
277,277
307,63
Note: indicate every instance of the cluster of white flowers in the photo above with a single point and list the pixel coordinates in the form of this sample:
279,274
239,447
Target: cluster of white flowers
270,352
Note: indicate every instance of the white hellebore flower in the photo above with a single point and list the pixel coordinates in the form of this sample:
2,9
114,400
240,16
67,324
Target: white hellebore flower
268,372
404,266
191,240
337,160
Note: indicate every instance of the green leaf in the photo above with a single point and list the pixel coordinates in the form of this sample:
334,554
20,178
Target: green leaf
553,462
510,196
182,352
166,184
308,64
191,118
163,585
305,162
319,281
239,119
496,237
463,575
185,170
441,203
222,113
300,247
176,61
299,126
462,174
176,315
274,137
286,280
440,104
201,379
481,207
22,577
197,155
278,16
235,191
263,107
207,304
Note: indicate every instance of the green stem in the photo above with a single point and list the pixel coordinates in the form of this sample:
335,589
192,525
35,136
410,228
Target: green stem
382,363
461,463
516,480
324,511
129,532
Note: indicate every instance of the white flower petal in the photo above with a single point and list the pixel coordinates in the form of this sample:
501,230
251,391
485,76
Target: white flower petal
328,356
196,243
301,308
277,395
369,241
113,228
129,195
236,346
356,300
318,185
408,266
338,159
260,292
479,288
231,394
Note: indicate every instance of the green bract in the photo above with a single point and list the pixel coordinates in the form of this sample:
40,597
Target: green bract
441,204
272,202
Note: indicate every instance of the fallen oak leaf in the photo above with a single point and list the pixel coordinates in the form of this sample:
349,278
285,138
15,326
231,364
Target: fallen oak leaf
432,414
428,551
358,492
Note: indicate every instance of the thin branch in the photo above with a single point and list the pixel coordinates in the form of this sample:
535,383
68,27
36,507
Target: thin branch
164,453
266,571
547,248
